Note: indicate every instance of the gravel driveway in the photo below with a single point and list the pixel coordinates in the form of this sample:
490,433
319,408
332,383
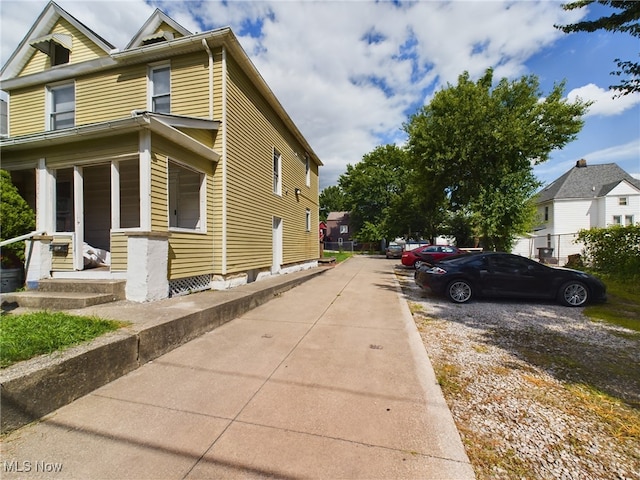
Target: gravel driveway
537,390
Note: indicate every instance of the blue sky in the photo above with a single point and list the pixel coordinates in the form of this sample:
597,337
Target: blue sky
349,73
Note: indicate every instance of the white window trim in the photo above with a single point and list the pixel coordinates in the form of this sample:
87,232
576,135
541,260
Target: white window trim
277,183
150,96
48,124
308,220
307,170
622,201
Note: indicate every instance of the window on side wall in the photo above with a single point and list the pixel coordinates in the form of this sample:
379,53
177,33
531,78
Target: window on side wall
622,200
617,219
307,170
308,220
277,172
160,89
628,220
61,106
187,195
344,229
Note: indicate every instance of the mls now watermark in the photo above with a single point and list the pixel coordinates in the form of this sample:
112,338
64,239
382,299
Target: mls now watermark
27,466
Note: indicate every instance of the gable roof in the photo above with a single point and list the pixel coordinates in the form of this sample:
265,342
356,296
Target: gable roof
338,216
42,29
150,29
586,181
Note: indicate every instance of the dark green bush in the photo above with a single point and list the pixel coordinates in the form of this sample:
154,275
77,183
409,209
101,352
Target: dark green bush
16,218
614,250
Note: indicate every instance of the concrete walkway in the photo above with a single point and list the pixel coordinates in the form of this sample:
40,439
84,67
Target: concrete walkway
329,380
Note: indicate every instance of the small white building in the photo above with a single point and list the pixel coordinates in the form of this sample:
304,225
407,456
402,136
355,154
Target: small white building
587,196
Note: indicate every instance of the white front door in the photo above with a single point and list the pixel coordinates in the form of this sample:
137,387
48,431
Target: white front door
277,245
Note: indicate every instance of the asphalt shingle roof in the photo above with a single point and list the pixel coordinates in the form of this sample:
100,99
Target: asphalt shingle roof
587,181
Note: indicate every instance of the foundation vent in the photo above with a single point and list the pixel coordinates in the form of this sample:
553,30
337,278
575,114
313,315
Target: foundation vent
185,286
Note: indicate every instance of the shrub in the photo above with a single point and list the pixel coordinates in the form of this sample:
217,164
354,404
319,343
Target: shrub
614,250
16,218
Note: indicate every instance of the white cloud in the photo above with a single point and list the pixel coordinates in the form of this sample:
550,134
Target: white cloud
347,94
605,102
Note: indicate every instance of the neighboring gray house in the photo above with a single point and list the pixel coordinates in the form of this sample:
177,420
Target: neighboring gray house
586,196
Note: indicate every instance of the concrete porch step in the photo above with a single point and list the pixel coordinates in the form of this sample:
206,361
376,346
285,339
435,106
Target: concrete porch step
58,300
66,294
113,287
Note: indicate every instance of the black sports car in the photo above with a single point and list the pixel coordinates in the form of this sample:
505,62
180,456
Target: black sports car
493,274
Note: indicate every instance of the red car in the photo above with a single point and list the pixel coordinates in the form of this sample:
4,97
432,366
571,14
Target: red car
428,254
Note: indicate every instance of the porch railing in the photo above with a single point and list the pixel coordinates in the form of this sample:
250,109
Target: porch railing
22,237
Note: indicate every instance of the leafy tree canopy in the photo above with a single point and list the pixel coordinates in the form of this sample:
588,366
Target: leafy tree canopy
623,19
373,186
16,219
332,199
474,145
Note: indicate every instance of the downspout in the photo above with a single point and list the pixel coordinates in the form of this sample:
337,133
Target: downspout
224,161
206,47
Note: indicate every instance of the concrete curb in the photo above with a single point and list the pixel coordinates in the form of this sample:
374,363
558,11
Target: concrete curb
36,387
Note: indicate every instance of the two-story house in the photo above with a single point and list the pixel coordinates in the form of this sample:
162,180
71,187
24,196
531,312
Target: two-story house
586,196
170,157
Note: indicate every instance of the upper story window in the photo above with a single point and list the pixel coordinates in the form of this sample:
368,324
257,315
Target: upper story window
160,89
62,106
546,214
307,170
277,172
622,200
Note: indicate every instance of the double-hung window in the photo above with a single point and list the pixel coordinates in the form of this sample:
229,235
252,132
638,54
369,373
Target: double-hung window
62,106
160,89
277,172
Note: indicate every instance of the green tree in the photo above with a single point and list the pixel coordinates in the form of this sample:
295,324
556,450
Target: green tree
474,145
16,219
623,19
374,188
332,199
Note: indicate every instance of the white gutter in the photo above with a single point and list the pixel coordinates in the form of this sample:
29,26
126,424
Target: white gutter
206,47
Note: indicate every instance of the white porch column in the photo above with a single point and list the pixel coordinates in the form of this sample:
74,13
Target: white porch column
147,266
38,256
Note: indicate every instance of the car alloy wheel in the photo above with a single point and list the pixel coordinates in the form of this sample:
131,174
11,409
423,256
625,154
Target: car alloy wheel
459,291
573,294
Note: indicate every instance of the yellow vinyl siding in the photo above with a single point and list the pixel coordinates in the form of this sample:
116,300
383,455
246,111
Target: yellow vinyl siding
63,263
253,130
164,27
206,137
190,85
159,194
111,95
118,252
91,151
82,50
27,111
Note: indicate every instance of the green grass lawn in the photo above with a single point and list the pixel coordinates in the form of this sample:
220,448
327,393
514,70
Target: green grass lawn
339,256
623,303
28,335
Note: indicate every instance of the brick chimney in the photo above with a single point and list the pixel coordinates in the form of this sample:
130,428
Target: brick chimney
581,163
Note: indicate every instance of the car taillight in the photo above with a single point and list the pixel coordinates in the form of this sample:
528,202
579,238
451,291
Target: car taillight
437,271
